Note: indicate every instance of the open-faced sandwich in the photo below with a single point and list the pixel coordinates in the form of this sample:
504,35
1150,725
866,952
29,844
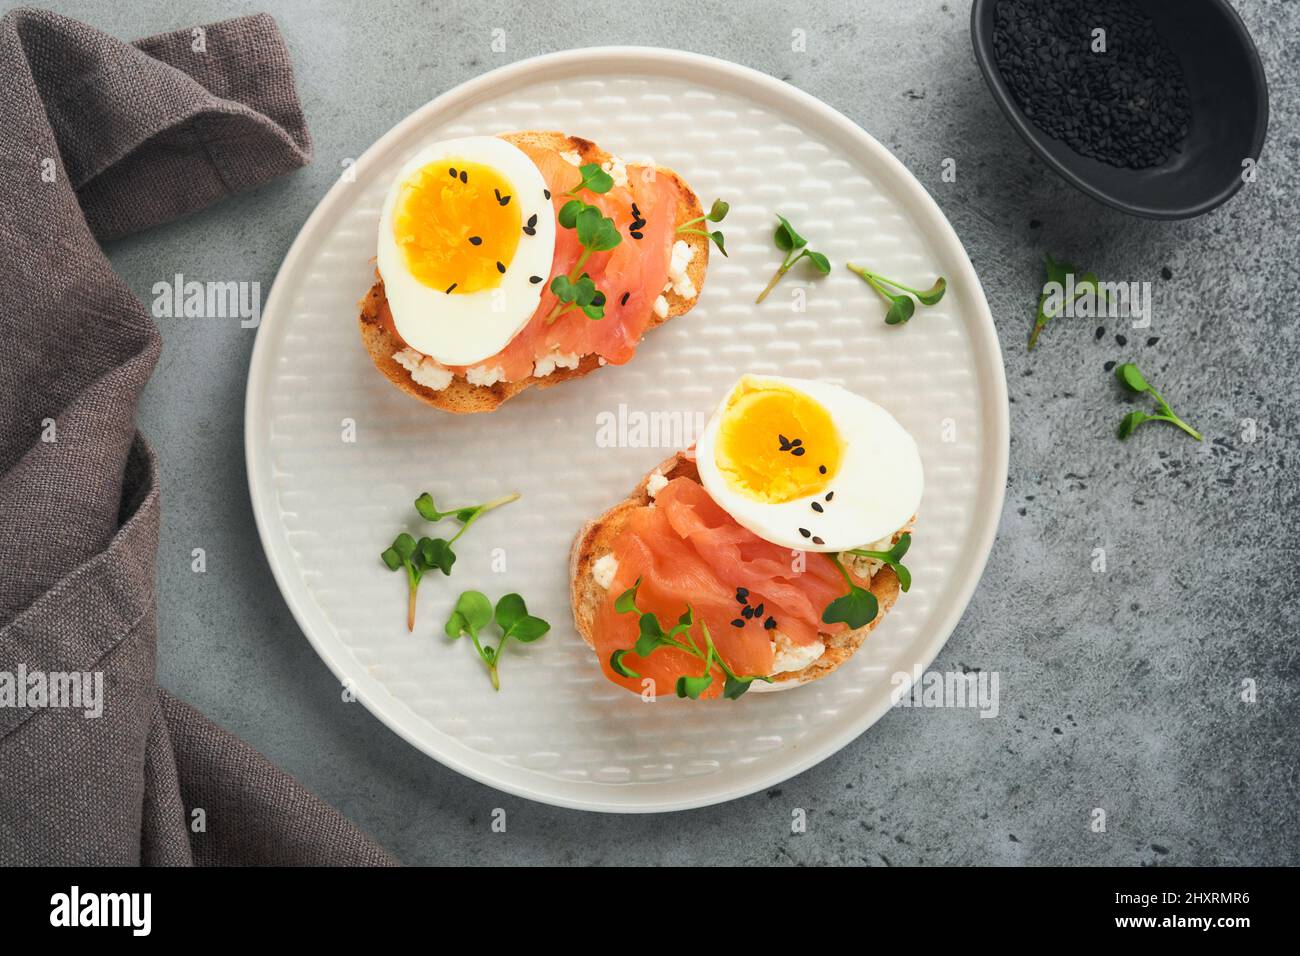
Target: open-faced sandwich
525,259
761,559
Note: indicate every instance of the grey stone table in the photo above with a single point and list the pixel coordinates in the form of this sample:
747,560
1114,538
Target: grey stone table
1120,690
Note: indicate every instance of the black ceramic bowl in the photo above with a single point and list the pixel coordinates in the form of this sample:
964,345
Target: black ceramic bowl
1229,114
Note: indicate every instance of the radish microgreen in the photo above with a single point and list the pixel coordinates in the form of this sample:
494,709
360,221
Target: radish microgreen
717,213
901,306
427,554
1058,274
652,637
795,247
893,557
859,607
596,233
594,179
1132,379
474,612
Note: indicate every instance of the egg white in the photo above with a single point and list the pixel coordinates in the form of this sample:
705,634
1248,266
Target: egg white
877,488
463,329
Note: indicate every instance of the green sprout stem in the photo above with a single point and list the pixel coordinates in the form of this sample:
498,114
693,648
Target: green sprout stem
790,260
483,509
1167,415
874,279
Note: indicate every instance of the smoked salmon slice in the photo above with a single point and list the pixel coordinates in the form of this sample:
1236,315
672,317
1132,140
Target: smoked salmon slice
685,550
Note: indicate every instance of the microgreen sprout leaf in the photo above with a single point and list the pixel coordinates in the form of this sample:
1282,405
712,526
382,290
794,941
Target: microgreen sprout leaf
1132,378
795,247
618,667
594,179
625,603
693,687
568,214
509,610
472,613
786,238
900,310
856,609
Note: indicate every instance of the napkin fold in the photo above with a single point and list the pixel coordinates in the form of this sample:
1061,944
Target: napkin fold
98,139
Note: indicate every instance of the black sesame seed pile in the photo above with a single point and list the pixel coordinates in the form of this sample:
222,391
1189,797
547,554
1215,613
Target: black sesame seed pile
1127,106
794,447
637,223
751,613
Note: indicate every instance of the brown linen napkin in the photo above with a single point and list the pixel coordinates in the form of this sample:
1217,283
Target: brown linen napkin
98,139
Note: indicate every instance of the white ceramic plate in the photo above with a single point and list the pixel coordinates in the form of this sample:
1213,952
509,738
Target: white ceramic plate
325,507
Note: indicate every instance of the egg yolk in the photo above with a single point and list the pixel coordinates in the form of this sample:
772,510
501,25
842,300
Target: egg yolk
776,444
457,226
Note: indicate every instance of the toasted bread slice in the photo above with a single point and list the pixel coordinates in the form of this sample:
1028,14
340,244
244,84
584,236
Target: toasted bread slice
460,396
596,539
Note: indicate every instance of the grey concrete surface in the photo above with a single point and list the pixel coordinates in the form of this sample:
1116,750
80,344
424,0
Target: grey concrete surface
1120,690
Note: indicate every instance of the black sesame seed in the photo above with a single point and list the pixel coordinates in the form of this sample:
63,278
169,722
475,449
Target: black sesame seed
1101,330
1121,340
501,268
797,442
817,507
636,212
532,220
830,495
450,287
822,470
1153,340
635,235
476,240
747,613
742,595
452,172
548,193
798,451
529,231
1108,366
758,611
1166,273
534,279
623,301
464,176
738,623
817,540
769,624
805,532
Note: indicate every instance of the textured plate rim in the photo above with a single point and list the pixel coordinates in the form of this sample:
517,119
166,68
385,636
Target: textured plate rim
631,60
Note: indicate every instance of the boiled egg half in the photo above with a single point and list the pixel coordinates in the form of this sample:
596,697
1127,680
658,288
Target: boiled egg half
466,240
809,465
